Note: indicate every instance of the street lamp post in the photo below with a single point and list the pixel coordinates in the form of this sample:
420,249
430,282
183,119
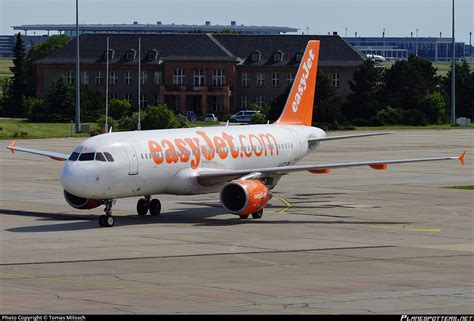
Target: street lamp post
78,75
383,37
453,78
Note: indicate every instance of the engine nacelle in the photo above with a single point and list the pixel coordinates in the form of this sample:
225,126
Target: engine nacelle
81,203
244,197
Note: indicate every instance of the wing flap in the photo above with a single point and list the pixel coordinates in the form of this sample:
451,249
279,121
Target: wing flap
54,155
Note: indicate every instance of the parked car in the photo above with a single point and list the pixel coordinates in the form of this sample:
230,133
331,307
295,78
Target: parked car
190,115
244,116
210,117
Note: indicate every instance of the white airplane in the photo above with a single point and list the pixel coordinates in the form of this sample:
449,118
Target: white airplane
244,163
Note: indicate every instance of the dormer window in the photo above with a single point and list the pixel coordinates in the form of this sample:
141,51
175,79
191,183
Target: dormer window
152,55
277,56
130,55
255,56
299,56
111,54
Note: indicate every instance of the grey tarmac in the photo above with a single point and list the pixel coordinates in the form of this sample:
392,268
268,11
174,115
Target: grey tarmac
356,240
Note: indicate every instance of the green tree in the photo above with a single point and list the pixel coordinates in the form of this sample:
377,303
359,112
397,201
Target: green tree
19,85
92,103
363,103
408,81
40,51
327,105
277,104
464,90
159,117
433,106
119,108
60,102
110,121
262,116
182,121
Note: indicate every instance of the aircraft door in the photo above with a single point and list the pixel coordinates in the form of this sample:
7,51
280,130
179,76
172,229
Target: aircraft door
132,158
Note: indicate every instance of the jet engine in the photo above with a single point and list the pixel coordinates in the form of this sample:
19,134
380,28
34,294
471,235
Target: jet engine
81,203
244,197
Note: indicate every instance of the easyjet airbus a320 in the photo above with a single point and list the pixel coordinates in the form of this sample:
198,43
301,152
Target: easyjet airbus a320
243,163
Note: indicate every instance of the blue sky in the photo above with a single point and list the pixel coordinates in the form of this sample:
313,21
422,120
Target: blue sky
368,18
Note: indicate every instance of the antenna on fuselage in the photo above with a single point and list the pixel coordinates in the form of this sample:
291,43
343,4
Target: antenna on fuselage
227,123
110,130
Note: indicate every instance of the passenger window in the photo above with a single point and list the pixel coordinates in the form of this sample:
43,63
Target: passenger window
108,156
74,156
100,157
86,157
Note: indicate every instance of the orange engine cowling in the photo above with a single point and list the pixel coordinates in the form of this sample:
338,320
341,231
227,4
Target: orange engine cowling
81,203
244,197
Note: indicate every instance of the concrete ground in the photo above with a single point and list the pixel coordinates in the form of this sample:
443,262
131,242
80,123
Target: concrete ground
352,241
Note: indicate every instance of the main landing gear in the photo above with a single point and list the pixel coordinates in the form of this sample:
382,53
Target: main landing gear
146,204
107,220
257,215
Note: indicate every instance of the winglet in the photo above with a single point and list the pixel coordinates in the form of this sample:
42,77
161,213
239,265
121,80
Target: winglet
12,144
461,158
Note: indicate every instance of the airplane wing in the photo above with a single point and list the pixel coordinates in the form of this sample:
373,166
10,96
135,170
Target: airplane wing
315,140
213,177
53,155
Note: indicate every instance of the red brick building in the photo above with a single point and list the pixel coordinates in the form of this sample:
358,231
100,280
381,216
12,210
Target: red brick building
200,72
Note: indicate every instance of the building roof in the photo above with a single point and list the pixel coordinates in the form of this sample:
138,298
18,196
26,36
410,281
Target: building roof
157,28
334,51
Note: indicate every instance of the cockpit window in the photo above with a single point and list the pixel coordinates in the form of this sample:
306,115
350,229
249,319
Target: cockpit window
108,156
86,157
100,157
74,156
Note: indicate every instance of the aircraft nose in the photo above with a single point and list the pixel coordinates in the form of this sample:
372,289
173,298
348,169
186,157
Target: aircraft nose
74,179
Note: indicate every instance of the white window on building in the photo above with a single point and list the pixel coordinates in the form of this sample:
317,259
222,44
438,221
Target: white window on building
244,102
218,78
217,103
70,77
128,78
142,100
85,77
144,78
291,77
158,78
245,79
157,99
179,77
99,78
275,79
199,78
129,98
113,78
113,96
335,80
260,101
260,79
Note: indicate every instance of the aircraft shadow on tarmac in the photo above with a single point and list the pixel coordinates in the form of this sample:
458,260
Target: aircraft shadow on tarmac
201,216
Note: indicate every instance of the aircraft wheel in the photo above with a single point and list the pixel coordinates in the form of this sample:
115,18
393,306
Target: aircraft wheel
142,206
155,207
106,221
258,214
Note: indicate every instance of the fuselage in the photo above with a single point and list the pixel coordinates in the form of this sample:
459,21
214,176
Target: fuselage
127,164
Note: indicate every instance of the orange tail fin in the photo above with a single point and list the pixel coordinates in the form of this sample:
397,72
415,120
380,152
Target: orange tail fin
298,109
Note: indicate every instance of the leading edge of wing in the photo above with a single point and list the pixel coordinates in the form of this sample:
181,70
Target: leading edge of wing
53,155
314,140
209,177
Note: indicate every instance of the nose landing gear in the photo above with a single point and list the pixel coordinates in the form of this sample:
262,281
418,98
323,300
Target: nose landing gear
146,204
107,220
